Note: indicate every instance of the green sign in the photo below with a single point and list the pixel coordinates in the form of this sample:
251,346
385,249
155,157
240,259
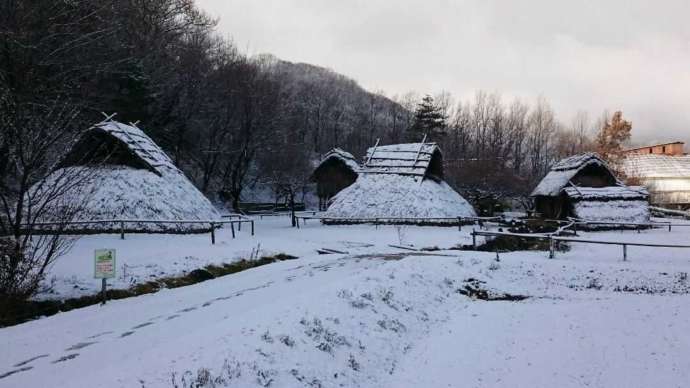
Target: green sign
104,263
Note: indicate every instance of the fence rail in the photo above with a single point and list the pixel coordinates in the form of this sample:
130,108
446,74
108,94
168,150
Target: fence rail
450,221
213,224
553,239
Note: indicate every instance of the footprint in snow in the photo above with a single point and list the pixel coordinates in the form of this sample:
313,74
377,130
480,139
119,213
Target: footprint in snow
22,363
80,345
139,326
10,373
126,334
65,358
188,309
172,317
99,334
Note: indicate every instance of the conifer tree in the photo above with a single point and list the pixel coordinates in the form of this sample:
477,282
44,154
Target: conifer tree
429,120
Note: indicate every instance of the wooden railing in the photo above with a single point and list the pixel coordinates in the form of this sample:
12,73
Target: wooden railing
44,227
554,239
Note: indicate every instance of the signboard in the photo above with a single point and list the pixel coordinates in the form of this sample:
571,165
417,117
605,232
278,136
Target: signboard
104,263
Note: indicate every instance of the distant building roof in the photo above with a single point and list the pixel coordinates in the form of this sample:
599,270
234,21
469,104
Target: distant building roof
653,145
656,166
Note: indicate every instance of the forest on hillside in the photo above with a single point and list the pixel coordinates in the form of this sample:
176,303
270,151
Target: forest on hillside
231,121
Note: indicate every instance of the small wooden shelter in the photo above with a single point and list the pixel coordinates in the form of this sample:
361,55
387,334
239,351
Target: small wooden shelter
583,186
336,170
403,184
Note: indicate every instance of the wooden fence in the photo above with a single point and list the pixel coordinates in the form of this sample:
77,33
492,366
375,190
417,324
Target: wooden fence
447,221
554,239
44,227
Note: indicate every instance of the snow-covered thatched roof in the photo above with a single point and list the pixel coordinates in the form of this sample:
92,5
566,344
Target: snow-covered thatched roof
392,185
656,166
391,196
607,193
127,176
343,156
407,159
562,172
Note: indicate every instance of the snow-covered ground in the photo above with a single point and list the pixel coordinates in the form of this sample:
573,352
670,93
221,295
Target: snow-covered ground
377,316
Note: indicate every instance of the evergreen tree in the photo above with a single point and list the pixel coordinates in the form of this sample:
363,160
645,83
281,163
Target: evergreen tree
429,120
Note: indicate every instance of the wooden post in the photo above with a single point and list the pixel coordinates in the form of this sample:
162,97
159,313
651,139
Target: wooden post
625,252
122,230
552,248
474,239
103,293
232,229
669,227
459,224
239,225
213,233
252,227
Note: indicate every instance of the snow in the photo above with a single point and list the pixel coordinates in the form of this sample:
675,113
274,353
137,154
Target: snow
398,196
377,316
122,192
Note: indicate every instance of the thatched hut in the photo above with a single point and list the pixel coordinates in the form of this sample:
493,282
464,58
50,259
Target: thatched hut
583,186
336,170
127,176
400,183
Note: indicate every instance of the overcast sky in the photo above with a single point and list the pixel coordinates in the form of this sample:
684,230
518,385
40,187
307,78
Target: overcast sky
580,55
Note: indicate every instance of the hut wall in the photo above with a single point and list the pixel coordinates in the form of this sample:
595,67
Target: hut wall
551,207
668,192
331,177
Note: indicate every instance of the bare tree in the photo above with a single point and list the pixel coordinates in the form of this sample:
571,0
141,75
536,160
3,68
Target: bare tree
31,134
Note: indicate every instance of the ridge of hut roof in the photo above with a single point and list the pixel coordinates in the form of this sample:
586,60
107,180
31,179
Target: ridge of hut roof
657,166
403,159
563,171
141,144
577,161
342,155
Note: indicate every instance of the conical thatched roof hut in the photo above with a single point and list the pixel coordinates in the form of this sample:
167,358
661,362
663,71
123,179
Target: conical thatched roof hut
129,177
583,186
400,183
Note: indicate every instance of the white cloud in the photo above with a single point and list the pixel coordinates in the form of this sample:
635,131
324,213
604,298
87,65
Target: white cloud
592,55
